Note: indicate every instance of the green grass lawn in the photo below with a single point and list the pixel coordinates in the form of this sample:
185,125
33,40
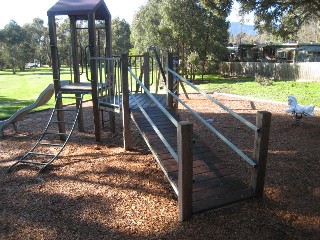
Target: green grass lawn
305,92
21,89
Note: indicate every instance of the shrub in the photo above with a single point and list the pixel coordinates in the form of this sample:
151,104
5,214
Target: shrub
263,81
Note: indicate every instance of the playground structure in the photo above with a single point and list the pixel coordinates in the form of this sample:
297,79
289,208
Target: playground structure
197,177
89,11
43,98
48,147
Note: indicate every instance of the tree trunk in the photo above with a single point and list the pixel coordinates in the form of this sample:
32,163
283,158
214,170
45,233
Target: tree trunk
13,68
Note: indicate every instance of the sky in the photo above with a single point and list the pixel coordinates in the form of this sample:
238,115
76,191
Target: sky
24,11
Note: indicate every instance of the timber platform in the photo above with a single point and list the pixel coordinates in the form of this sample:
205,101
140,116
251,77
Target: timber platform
215,185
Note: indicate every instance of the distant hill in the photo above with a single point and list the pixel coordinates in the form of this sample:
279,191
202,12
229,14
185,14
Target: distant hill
236,28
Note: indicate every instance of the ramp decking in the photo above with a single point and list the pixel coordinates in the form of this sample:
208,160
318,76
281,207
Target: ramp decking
214,184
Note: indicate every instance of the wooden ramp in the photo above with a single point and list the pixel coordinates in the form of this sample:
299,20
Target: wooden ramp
214,184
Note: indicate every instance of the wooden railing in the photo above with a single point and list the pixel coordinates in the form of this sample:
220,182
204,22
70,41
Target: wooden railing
185,137
262,129
184,142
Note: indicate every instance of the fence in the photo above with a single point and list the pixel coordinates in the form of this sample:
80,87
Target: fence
306,71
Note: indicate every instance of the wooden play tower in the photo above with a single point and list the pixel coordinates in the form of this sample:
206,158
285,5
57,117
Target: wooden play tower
77,10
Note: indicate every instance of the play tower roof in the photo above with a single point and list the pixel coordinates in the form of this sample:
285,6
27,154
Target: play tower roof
80,9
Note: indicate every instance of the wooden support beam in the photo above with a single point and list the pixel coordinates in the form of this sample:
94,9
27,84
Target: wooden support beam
185,167
94,76
170,81
146,70
125,103
108,32
261,142
108,54
54,49
56,73
75,66
74,49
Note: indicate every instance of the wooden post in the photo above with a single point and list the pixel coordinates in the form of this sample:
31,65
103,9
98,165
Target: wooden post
54,50
56,73
125,103
185,167
170,81
74,49
263,121
146,70
94,76
75,65
108,32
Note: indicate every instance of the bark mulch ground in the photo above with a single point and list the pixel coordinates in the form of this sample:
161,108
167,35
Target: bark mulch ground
99,191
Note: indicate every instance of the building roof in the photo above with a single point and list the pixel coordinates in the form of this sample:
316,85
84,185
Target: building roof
80,9
309,48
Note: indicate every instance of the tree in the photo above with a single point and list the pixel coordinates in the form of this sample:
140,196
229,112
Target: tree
147,29
64,40
3,58
309,31
16,45
120,36
39,39
183,26
281,18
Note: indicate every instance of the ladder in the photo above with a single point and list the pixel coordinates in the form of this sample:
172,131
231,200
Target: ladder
52,141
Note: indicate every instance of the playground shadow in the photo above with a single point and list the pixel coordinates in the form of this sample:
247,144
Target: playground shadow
80,194
55,216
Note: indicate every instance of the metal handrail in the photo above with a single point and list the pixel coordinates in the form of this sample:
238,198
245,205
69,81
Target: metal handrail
106,58
165,142
163,109
214,130
154,49
234,114
108,63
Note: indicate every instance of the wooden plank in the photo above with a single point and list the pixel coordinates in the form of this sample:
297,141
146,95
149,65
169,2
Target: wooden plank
205,176
160,124
214,183
185,135
146,70
145,101
213,167
158,143
218,190
170,81
125,103
161,99
263,121
154,114
221,201
142,100
94,76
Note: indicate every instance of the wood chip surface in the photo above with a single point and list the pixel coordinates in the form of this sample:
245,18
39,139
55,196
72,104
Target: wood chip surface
99,191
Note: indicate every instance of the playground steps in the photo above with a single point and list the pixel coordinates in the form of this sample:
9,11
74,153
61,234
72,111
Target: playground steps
52,141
